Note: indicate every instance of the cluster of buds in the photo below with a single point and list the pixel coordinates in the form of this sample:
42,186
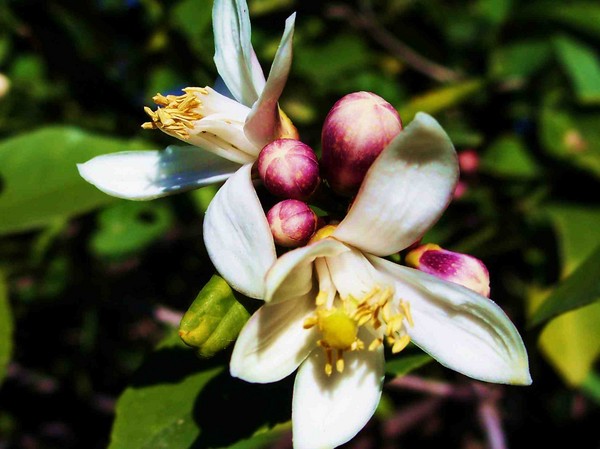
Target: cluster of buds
356,130
289,169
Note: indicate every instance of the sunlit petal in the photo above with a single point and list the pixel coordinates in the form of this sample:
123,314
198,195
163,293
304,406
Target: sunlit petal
273,342
292,274
329,411
145,175
234,56
461,329
404,192
264,120
237,235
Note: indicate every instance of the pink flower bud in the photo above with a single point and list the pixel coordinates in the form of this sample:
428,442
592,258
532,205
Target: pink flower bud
468,160
462,269
289,169
460,190
292,223
355,132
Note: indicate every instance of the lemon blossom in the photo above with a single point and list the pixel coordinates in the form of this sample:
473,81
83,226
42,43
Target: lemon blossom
332,305
223,133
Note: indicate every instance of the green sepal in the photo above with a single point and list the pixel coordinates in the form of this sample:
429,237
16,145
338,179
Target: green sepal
214,319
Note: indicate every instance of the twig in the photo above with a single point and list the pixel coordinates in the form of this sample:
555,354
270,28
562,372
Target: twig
409,417
367,21
432,387
492,424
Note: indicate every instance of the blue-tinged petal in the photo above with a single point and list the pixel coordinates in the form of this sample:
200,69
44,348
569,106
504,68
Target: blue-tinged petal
144,175
405,191
234,56
237,235
328,411
461,329
274,342
264,121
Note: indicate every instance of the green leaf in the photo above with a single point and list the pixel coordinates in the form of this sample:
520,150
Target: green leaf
581,65
439,99
6,328
572,223
157,410
39,181
578,290
193,18
571,341
177,401
129,227
509,157
326,63
214,319
520,60
579,16
404,364
572,137
591,386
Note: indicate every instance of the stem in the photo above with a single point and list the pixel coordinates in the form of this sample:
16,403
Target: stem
367,21
492,424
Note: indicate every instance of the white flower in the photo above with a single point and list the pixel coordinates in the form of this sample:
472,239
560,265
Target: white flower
330,306
227,135
223,133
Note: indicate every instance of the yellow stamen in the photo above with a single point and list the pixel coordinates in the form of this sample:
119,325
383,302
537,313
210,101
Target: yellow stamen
321,298
406,309
339,364
375,344
176,114
400,344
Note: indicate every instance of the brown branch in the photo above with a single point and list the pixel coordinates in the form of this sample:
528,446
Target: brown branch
367,21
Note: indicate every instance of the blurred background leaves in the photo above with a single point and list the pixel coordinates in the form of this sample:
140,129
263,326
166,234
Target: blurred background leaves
92,284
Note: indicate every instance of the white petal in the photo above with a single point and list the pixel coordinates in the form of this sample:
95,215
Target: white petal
292,274
353,274
234,56
329,411
461,329
237,235
273,342
264,120
404,192
144,175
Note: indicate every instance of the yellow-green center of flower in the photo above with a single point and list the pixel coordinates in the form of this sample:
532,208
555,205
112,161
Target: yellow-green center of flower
176,114
339,324
339,331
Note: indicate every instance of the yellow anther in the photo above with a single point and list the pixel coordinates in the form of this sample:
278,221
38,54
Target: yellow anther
328,369
176,113
310,322
400,344
406,309
339,364
375,344
321,298
329,363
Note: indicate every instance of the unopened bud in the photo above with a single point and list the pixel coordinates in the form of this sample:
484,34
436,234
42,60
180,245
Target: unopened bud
355,132
292,223
460,190
468,161
289,169
462,269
